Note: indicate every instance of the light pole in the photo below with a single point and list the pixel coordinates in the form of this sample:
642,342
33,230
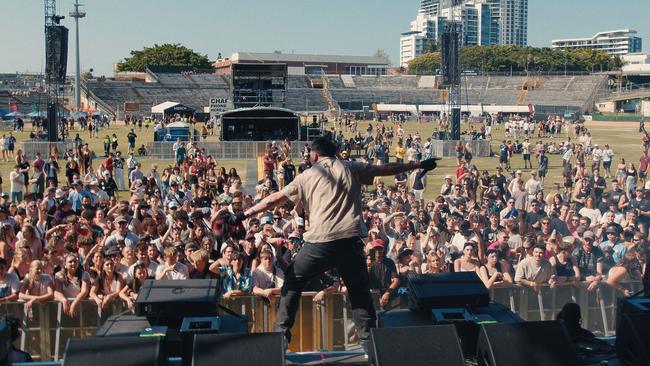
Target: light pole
76,14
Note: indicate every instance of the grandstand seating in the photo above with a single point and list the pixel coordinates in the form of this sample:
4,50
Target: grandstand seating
306,100
298,82
195,90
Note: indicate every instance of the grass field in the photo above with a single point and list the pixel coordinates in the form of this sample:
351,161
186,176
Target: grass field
623,137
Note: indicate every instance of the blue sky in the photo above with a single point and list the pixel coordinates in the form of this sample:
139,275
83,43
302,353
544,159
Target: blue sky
358,27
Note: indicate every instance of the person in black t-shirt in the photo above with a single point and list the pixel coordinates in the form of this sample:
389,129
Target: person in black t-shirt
382,273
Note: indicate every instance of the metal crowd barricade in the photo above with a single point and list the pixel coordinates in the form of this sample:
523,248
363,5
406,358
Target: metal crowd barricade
319,325
223,150
31,147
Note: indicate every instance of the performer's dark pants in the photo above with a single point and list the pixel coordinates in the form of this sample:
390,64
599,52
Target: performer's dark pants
348,257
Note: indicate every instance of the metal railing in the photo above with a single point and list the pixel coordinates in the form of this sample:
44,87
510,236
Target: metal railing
31,147
319,325
224,150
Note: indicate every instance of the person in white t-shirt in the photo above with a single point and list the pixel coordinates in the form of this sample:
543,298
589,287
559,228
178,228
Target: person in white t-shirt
9,283
17,184
608,155
171,268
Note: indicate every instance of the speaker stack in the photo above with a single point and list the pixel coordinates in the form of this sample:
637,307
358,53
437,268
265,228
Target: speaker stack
56,53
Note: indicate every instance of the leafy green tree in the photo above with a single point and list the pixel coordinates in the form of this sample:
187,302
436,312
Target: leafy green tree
519,59
164,55
426,64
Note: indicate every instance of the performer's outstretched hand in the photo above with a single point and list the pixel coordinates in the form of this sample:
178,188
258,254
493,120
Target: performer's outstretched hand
239,217
429,164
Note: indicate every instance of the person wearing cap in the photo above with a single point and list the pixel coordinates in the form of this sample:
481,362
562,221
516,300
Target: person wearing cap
447,186
181,223
76,194
330,192
588,258
108,184
174,194
382,273
98,196
122,232
614,241
566,269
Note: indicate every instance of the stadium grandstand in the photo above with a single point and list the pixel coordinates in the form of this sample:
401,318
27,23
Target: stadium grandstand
320,93
23,93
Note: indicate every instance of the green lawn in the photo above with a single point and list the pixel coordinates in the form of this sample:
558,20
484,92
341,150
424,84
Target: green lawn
622,137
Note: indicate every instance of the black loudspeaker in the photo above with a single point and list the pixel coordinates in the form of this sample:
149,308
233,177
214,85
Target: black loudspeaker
444,59
449,55
529,343
123,326
168,302
5,343
112,351
633,339
446,290
238,349
431,345
455,123
193,326
52,125
56,53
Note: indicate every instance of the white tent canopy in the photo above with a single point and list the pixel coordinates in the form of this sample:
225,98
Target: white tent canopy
160,108
397,108
475,109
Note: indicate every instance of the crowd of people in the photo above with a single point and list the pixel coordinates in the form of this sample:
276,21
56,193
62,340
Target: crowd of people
70,237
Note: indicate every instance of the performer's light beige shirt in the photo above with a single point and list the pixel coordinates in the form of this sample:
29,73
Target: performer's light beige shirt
330,192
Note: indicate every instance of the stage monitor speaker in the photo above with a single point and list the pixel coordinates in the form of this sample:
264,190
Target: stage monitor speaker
429,345
56,53
539,343
123,326
446,290
112,351
238,349
455,124
5,343
633,339
167,302
193,326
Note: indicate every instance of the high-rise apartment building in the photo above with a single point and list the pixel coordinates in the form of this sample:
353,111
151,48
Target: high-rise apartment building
483,22
616,42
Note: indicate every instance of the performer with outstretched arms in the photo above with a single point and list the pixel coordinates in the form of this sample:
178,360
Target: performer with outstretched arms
330,193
